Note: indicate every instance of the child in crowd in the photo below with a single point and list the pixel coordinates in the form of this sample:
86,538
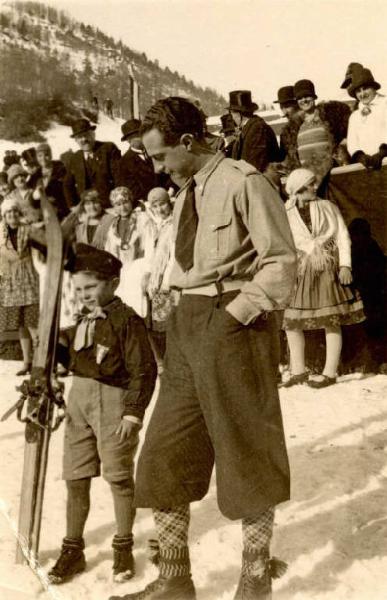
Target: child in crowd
114,377
160,264
19,281
126,238
322,297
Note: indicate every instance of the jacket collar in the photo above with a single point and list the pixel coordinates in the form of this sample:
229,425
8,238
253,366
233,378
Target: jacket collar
205,172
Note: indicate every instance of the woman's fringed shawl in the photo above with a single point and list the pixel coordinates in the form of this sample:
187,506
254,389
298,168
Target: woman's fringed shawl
328,245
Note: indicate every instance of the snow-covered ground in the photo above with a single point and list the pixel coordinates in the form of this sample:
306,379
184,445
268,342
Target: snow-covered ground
58,136
333,532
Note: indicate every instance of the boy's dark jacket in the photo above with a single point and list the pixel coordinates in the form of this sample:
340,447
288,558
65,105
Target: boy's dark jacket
127,360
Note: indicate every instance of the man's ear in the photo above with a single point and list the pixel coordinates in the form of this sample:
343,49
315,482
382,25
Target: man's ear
187,140
115,282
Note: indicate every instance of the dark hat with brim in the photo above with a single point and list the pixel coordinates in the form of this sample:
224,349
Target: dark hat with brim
129,128
240,101
349,74
285,95
304,88
81,126
29,155
88,258
228,125
363,78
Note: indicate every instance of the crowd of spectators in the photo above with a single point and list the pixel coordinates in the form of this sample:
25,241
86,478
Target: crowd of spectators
124,205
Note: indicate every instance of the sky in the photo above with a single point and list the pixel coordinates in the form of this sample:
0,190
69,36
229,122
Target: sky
259,45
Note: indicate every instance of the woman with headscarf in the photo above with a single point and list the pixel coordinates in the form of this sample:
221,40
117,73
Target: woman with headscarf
322,298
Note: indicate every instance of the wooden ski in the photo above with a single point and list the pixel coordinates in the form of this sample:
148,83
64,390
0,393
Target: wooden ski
42,399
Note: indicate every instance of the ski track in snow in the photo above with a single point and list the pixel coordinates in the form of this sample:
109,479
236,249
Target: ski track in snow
333,531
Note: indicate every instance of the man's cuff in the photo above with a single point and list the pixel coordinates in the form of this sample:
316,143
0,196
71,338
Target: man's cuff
133,419
243,310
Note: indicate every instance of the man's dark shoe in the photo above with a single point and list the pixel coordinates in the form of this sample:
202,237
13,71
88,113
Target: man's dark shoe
70,562
254,588
123,565
174,588
257,572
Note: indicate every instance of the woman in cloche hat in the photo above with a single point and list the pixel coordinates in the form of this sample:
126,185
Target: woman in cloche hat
324,127
22,194
367,128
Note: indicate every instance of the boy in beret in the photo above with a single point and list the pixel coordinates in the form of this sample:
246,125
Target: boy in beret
114,377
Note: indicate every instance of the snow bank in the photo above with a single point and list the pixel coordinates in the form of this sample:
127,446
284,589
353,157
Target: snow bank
58,136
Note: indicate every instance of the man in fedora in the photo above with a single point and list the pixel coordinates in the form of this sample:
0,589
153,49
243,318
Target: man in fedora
256,142
135,169
94,165
367,128
287,101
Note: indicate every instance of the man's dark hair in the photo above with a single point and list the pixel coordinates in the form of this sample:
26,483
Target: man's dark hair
173,117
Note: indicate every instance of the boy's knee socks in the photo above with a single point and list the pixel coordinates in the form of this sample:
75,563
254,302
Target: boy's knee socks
122,492
78,506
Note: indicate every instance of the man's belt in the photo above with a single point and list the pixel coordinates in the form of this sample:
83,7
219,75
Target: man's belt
214,289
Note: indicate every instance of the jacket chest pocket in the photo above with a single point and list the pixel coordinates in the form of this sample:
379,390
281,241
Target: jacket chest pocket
218,236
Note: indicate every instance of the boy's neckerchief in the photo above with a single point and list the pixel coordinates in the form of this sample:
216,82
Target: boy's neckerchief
84,334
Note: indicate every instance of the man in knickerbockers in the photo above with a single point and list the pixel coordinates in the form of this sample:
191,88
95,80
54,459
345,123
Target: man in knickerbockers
234,267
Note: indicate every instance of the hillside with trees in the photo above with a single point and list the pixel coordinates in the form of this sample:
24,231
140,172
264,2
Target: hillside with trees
54,68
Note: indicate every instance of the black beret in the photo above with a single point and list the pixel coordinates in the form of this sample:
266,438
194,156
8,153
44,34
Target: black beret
88,258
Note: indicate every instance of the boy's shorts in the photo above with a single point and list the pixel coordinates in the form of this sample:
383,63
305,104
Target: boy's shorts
94,412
